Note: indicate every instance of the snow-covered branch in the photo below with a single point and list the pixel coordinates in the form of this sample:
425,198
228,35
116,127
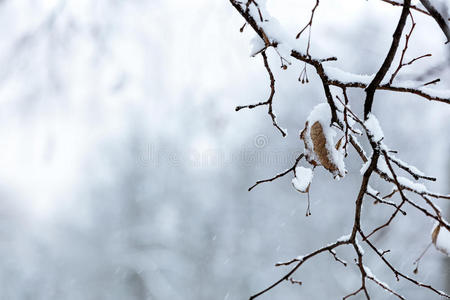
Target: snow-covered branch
332,126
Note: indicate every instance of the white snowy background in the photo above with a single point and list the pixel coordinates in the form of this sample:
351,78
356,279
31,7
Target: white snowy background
124,168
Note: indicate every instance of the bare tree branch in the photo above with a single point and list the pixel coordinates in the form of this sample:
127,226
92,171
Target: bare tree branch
398,273
269,101
412,6
371,88
437,17
340,117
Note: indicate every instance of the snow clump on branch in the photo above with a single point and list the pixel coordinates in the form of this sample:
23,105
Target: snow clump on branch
318,137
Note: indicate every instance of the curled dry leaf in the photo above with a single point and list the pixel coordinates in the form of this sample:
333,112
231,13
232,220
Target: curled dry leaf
435,233
320,147
309,151
317,149
339,144
318,137
441,239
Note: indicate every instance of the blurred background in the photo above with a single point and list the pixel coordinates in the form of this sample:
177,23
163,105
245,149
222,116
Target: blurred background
124,168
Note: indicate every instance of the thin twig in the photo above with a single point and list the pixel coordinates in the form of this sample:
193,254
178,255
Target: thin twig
417,261
309,24
384,286
412,6
299,263
408,169
398,273
401,63
380,200
337,258
291,169
404,199
432,82
269,101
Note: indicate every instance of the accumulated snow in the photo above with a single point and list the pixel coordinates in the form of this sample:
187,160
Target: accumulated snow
256,44
418,187
368,272
406,165
374,128
371,275
286,43
337,74
359,246
303,179
364,167
383,167
346,77
273,29
370,190
436,93
344,238
418,85
321,113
